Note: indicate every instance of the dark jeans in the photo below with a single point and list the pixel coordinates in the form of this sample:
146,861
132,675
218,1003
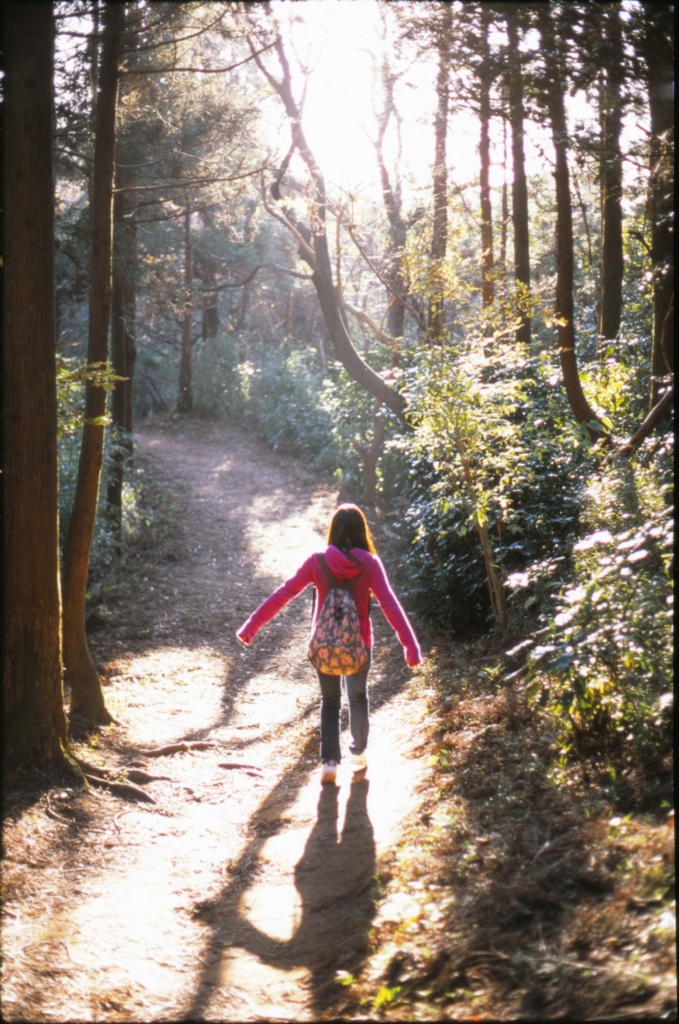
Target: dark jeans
331,702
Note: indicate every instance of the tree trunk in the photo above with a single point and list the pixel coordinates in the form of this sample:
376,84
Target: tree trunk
34,723
313,246
439,237
564,310
87,699
185,398
659,78
391,196
611,110
519,184
485,81
211,301
370,457
123,347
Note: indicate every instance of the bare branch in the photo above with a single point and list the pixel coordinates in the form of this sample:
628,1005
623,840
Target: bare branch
284,219
201,70
655,415
380,334
189,182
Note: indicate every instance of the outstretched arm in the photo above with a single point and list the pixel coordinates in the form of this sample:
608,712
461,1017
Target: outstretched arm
394,614
276,602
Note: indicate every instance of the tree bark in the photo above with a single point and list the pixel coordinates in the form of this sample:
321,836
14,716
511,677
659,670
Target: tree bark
34,722
439,238
659,60
87,699
185,397
123,345
564,309
391,195
485,81
519,183
611,110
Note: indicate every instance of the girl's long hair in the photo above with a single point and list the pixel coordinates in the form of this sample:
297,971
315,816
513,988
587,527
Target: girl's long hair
349,529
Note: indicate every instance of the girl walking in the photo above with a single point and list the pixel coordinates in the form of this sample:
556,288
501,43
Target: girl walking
350,555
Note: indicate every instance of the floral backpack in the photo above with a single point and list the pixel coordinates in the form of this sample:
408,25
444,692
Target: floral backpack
336,645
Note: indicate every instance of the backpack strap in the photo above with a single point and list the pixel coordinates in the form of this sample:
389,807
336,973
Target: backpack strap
329,575
334,582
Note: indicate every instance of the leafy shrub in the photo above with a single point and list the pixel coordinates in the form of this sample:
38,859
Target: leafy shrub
283,407
604,661
71,377
495,450
219,387
105,542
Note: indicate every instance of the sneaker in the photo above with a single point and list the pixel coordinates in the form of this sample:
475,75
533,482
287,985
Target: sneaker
359,762
328,772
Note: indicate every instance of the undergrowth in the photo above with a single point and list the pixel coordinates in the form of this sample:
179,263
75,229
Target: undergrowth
520,891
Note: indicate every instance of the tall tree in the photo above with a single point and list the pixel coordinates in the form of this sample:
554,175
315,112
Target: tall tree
123,343
396,276
439,233
486,76
520,223
87,698
185,396
313,240
554,92
657,45
34,723
611,112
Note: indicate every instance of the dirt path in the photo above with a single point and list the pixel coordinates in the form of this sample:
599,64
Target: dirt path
241,891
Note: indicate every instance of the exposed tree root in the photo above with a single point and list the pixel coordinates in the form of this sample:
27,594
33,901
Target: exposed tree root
110,778
122,789
177,748
238,764
141,778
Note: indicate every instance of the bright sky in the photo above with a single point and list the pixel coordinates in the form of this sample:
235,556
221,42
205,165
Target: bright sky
337,40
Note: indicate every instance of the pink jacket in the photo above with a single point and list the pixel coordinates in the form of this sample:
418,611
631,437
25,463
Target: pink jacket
372,580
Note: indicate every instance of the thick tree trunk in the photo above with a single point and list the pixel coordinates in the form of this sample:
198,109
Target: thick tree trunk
185,397
519,184
34,723
611,110
660,76
439,238
564,310
87,699
347,354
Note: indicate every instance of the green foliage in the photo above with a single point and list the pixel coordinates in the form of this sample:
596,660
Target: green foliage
105,542
495,449
219,384
72,375
604,663
286,410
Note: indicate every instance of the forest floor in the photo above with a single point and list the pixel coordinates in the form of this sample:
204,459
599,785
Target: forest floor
472,873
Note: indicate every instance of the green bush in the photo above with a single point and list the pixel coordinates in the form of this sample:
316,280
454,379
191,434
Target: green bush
604,661
495,449
219,385
285,409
